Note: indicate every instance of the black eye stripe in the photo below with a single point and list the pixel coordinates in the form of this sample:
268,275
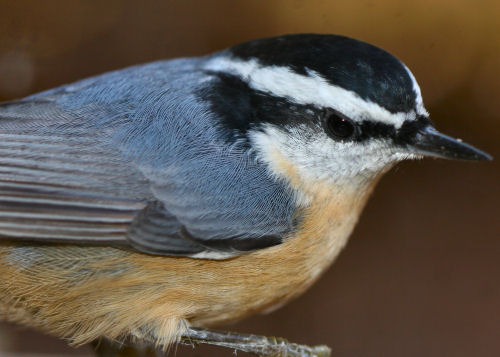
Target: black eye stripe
371,129
375,130
402,136
239,108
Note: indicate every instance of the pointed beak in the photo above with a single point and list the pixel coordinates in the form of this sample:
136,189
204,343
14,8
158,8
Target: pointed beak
430,142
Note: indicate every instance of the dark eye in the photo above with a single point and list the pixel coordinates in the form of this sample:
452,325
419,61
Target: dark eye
339,127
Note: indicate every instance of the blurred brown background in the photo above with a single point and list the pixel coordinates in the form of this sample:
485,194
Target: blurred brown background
420,276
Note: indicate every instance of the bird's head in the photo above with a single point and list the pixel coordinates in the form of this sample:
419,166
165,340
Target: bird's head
332,107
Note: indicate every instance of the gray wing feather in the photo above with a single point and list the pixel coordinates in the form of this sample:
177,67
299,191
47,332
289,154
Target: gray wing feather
134,157
62,185
148,231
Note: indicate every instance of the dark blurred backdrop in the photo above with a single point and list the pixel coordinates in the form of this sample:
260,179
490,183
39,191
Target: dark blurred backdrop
420,276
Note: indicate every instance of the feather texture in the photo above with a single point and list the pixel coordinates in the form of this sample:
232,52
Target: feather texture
135,158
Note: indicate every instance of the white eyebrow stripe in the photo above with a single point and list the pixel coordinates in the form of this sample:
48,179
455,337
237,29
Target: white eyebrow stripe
418,94
312,89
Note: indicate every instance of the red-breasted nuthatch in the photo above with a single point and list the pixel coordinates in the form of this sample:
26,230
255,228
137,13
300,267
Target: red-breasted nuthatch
163,198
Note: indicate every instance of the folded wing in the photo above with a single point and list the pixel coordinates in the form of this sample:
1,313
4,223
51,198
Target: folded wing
64,183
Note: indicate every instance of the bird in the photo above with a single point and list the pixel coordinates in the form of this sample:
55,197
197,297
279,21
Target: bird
154,202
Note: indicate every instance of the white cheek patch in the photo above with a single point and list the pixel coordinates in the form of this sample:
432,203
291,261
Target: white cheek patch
323,159
311,89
